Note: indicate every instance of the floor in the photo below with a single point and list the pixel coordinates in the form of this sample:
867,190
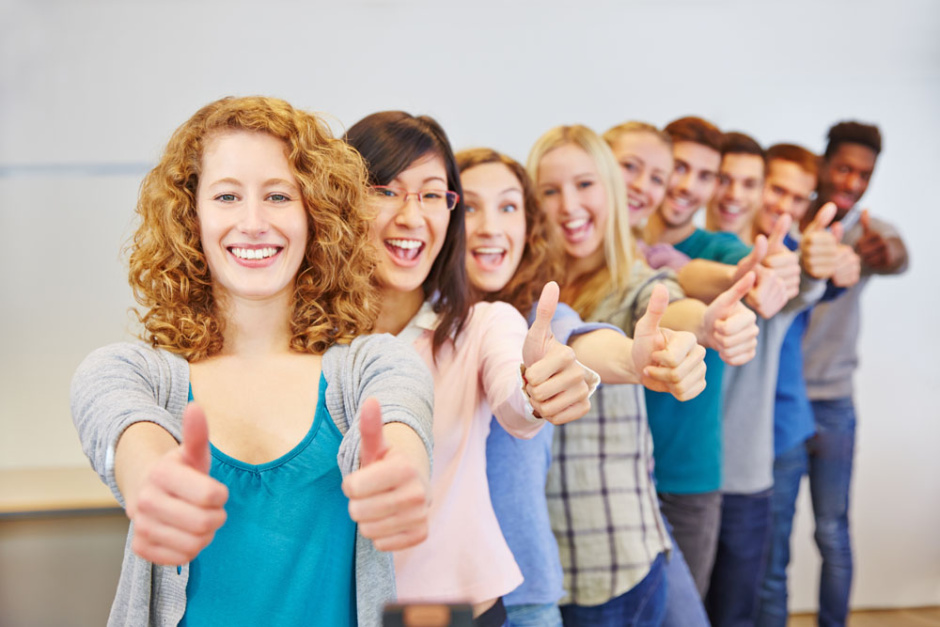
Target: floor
911,617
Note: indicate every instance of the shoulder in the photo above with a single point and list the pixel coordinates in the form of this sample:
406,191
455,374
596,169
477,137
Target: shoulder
135,357
483,315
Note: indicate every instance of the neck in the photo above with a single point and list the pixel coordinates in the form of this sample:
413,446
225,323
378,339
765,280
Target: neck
658,232
398,308
579,267
256,328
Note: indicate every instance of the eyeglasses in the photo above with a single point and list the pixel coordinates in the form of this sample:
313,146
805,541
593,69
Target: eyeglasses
429,199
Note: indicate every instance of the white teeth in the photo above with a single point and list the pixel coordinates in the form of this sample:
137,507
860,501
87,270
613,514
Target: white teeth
682,202
254,253
732,209
407,244
489,251
574,225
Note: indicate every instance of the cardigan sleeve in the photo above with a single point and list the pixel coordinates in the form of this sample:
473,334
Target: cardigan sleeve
119,385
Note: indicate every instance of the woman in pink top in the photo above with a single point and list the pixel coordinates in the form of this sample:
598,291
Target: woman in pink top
474,354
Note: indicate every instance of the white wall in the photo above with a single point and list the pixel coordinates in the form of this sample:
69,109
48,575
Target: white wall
90,92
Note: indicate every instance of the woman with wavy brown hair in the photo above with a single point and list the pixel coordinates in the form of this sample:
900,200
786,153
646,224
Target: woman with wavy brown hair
510,242
252,267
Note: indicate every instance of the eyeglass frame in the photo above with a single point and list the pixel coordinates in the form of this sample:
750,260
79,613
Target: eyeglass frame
419,195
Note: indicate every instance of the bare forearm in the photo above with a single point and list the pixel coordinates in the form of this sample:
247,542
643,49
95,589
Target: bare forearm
402,438
137,450
705,280
687,314
608,353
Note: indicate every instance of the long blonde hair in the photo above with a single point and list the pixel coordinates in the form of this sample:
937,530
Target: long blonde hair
586,292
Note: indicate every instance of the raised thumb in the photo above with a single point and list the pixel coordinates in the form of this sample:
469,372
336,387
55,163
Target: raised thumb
373,446
778,234
195,444
540,333
655,311
753,258
823,217
865,221
736,292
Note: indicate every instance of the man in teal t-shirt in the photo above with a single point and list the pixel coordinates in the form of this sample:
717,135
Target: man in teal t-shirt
687,435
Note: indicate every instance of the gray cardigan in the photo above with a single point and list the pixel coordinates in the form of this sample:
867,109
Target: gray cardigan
121,384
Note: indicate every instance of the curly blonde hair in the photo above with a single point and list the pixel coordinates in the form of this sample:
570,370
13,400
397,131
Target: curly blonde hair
541,260
334,299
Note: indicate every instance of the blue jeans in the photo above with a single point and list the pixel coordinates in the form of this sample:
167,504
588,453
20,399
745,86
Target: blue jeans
533,615
789,468
743,541
683,604
643,605
830,472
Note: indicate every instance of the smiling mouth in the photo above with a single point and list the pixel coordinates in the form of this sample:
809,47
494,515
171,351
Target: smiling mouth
404,249
490,257
730,209
576,230
254,254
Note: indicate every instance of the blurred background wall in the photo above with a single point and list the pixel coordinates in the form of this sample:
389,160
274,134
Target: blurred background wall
91,91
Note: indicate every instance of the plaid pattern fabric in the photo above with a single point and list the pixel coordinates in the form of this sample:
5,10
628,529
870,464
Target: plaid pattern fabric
601,497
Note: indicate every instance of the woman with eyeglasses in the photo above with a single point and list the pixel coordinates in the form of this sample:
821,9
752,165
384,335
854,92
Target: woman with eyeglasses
252,265
483,358
510,250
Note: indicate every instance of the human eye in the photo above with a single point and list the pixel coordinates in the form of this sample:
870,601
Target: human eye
509,207
278,197
226,197
707,177
433,194
629,166
385,192
548,191
724,179
468,208
681,168
585,184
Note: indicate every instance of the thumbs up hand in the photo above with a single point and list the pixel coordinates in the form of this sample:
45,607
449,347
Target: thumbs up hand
388,496
669,361
848,267
872,246
781,260
819,248
730,328
769,294
556,384
178,506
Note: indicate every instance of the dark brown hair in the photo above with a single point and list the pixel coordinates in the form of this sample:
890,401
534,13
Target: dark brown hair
735,143
696,130
867,135
390,142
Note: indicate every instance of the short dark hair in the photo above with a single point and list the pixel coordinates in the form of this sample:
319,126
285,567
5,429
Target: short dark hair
735,143
389,142
696,130
806,160
851,132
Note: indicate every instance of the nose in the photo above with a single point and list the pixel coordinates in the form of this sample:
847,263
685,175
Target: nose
785,205
254,219
853,182
567,200
409,214
487,223
640,183
685,181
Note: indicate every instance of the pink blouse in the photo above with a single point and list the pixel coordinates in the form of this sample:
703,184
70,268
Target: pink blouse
465,557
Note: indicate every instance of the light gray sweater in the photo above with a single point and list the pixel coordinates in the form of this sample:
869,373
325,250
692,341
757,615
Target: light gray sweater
121,384
748,400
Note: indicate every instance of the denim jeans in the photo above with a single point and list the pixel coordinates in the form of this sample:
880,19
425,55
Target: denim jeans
683,603
533,615
789,468
830,472
743,541
643,605
695,520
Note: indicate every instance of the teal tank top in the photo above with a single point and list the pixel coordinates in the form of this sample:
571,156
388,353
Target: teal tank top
285,555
